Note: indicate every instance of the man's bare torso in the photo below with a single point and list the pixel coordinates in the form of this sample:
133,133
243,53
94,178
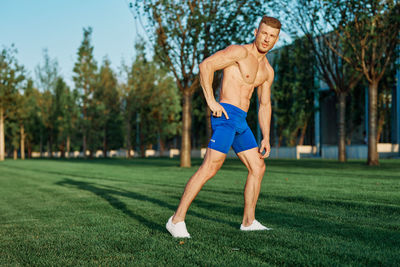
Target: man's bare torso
241,78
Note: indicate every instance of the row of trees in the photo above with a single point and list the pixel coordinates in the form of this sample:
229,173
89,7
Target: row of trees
99,113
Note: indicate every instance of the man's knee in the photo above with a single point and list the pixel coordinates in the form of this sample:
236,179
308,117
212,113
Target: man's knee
211,167
258,168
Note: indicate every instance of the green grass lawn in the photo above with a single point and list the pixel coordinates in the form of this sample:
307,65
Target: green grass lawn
113,212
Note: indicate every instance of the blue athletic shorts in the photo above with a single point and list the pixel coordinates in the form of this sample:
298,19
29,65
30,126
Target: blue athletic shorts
231,132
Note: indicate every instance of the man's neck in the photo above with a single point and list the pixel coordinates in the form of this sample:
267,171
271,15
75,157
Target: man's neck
259,55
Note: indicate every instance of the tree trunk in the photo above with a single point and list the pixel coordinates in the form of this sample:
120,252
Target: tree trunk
186,130
373,157
85,121
22,130
50,145
105,143
342,127
29,145
293,137
41,143
384,108
303,133
142,146
381,121
62,149
2,140
128,138
68,145
15,154
48,149
162,147
84,144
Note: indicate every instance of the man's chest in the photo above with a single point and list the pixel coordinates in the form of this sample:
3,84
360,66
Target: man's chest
252,71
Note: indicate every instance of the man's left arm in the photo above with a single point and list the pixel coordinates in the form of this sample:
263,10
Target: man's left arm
264,113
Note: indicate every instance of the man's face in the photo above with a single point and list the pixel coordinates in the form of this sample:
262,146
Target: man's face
266,37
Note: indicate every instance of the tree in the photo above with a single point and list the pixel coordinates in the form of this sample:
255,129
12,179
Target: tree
293,91
152,99
108,98
71,118
85,79
370,29
21,112
11,76
33,124
183,33
308,18
46,78
61,115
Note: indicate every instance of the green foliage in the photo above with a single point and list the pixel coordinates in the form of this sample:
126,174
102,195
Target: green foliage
85,79
370,28
11,78
152,94
293,89
51,102
34,123
64,113
108,106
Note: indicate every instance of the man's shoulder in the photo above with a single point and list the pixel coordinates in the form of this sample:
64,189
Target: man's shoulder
268,65
238,51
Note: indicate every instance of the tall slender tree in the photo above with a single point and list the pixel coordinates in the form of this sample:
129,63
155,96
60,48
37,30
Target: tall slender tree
107,94
33,124
293,91
11,77
46,79
21,116
153,98
71,118
85,80
60,115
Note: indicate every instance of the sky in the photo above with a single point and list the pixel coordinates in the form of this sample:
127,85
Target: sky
57,25
33,25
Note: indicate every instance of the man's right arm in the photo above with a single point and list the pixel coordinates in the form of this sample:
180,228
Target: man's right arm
218,61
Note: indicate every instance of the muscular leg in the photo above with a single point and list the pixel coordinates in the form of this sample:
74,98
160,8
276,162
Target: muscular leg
256,167
211,164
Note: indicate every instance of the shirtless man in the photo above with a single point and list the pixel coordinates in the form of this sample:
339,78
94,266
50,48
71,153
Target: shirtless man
245,67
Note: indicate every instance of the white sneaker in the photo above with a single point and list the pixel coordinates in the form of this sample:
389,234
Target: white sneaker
255,226
178,229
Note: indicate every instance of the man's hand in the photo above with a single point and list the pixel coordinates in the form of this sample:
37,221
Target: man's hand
217,110
264,146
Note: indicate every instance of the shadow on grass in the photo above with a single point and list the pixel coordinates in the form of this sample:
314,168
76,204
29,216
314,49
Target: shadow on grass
385,209
109,194
367,233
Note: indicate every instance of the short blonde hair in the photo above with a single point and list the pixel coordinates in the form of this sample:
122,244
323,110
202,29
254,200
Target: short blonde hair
270,21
